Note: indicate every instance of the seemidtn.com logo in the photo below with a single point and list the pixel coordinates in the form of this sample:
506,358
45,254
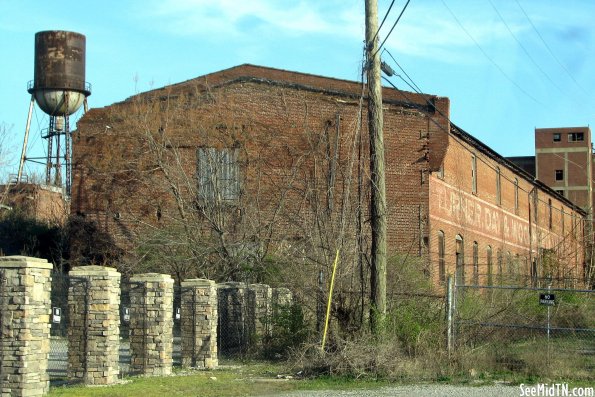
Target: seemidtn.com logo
555,390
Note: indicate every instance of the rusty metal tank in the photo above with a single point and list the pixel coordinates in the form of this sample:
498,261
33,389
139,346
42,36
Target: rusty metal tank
59,85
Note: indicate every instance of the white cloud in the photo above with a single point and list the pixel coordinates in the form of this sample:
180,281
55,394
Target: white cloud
427,29
232,17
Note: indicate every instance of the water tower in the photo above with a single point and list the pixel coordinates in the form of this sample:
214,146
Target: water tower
59,89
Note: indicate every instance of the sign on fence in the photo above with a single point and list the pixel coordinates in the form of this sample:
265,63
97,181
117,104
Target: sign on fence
126,314
547,299
56,315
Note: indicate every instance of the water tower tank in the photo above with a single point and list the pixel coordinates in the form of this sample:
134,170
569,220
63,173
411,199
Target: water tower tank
59,85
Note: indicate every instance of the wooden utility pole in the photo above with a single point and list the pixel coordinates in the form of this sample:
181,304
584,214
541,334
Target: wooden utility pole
378,190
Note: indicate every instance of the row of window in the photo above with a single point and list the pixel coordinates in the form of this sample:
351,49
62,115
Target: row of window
498,184
572,137
512,265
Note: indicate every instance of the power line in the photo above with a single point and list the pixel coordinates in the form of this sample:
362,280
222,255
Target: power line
416,89
550,50
391,29
489,58
525,50
383,19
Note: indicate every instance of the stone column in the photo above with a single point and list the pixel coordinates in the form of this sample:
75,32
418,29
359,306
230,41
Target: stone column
281,297
259,311
94,327
25,308
234,329
199,323
151,323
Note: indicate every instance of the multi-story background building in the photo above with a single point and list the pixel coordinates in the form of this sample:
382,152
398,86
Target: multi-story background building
564,161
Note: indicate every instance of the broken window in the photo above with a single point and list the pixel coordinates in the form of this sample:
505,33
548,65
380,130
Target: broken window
557,137
576,136
559,175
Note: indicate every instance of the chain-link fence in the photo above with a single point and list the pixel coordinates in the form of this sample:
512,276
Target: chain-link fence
535,330
62,285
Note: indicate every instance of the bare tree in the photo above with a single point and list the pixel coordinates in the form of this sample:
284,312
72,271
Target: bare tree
230,197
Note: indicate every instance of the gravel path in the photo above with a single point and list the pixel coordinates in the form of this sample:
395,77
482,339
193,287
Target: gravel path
417,391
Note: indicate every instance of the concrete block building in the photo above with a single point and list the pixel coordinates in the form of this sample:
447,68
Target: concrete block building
253,156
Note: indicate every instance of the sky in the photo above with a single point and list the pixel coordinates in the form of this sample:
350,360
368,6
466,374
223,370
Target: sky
507,66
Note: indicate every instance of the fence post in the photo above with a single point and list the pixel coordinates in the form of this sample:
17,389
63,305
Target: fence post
151,324
25,285
94,326
198,323
450,313
259,310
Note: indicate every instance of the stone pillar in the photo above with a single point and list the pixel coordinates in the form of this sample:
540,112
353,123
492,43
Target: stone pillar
94,327
259,311
25,308
199,323
233,318
151,323
281,297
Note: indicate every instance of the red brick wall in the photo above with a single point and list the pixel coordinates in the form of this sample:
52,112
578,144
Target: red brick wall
500,226
282,130
286,126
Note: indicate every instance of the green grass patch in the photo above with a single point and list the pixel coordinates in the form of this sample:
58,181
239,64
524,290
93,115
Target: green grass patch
240,381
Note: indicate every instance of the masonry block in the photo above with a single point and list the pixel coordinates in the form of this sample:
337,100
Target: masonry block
25,307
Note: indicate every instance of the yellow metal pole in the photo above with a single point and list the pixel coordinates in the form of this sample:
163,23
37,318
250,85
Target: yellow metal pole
328,304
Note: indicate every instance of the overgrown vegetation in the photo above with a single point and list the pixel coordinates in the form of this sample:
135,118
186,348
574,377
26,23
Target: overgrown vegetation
412,345
79,242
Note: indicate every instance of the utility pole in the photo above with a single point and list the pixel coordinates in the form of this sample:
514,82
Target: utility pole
378,190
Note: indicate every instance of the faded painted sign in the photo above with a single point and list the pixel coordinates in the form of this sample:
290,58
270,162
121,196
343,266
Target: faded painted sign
469,212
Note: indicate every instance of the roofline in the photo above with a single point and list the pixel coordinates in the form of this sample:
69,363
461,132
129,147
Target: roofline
587,127
421,103
465,136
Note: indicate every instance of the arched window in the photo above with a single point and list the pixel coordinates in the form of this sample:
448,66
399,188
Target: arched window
441,251
499,260
509,268
475,263
489,264
460,260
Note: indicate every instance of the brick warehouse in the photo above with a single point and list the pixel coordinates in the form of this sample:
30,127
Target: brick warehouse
286,148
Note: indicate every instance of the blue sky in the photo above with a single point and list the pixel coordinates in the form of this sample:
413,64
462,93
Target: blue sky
502,78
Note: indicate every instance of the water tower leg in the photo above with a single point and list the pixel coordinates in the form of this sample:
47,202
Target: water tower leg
24,152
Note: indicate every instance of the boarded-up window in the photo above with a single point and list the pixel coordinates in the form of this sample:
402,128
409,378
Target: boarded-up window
218,175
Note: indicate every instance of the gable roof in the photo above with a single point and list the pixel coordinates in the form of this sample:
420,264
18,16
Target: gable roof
280,77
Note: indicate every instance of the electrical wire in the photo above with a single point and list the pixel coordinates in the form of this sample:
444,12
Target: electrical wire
489,58
383,20
415,88
527,52
550,50
392,28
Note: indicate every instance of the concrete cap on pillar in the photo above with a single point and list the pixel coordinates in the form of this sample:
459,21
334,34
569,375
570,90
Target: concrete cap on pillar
24,261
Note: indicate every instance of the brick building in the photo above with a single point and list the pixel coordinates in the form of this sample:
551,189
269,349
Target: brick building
253,161
41,202
564,161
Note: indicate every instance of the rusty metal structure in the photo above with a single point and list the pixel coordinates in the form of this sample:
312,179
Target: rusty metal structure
59,89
